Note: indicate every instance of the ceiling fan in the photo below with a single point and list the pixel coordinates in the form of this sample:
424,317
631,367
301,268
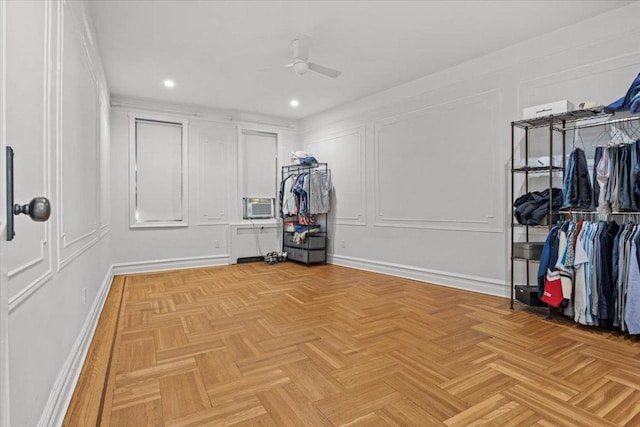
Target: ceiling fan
301,63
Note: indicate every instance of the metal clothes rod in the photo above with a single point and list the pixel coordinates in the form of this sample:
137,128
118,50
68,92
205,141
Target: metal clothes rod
607,122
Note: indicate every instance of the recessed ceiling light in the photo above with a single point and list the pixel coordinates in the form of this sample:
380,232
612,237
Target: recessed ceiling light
294,103
169,83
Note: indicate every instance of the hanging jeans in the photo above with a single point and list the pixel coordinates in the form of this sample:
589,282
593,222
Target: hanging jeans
624,178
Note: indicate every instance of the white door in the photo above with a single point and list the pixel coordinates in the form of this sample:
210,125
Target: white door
26,45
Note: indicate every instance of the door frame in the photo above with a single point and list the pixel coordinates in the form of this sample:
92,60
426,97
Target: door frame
4,291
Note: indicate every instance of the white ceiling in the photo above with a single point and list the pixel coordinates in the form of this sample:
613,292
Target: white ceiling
217,51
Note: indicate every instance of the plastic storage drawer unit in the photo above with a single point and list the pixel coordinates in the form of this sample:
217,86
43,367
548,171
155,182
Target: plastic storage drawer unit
311,242
528,295
305,256
528,250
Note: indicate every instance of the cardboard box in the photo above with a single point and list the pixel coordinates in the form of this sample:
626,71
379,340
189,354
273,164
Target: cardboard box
547,109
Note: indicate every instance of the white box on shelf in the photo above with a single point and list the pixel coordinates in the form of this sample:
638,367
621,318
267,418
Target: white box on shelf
547,109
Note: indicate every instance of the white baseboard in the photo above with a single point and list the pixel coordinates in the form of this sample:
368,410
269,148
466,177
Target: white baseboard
453,280
169,264
62,391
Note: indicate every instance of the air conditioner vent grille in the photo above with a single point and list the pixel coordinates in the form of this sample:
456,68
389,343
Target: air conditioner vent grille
258,208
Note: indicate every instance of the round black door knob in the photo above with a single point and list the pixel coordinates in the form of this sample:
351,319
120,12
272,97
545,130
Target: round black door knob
38,209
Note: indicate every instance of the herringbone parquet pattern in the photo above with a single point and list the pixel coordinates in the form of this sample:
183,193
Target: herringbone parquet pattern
287,345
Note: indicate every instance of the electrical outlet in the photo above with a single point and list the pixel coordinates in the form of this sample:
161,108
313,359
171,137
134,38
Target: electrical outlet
216,243
343,244
84,296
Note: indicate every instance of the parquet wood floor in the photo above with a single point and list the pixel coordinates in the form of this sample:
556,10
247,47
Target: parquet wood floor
287,345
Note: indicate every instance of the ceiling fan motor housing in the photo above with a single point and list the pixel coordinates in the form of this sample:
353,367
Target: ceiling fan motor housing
300,66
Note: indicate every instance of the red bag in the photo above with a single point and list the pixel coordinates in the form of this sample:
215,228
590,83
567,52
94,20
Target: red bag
552,294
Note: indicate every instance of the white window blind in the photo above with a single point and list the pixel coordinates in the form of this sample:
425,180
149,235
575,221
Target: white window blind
159,176
259,169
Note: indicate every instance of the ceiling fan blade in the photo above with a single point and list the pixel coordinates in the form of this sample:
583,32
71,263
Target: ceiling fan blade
330,72
301,46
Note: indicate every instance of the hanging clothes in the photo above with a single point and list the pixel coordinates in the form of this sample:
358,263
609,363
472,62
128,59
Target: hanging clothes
577,190
599,262
305,194
617,173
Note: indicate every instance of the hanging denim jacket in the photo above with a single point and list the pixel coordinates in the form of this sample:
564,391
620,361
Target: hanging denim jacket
577,189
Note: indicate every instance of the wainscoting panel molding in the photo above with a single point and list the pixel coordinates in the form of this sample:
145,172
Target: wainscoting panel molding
425,181
212,180
345,153
30,258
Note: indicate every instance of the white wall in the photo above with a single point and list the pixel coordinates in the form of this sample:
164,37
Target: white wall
216,233
57,117
421,171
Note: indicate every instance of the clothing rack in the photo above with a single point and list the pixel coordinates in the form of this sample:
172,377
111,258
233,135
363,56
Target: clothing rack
306,241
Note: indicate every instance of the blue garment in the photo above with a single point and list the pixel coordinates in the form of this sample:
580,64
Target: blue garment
568,183
633,175
613,173
632,306
615,254
614,271
548,257
300,190
606,286
588,269
595,280
634,106
632,98
577,190
624,178
532,208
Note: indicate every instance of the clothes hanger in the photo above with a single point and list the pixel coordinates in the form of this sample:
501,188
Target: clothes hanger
619,136
632,129
604,132
578,137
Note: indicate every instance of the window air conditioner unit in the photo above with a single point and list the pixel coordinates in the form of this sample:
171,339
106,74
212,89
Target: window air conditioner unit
255,208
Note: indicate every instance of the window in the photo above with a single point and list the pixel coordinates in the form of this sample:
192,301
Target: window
258,165
157,172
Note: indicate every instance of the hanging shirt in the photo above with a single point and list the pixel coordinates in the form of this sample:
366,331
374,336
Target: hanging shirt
286,195
632,307
602,175
581,293
319,189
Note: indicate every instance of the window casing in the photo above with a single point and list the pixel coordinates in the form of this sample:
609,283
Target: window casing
157,172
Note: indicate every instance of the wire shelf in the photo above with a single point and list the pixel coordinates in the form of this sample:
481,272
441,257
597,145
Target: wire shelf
568,117
525,169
